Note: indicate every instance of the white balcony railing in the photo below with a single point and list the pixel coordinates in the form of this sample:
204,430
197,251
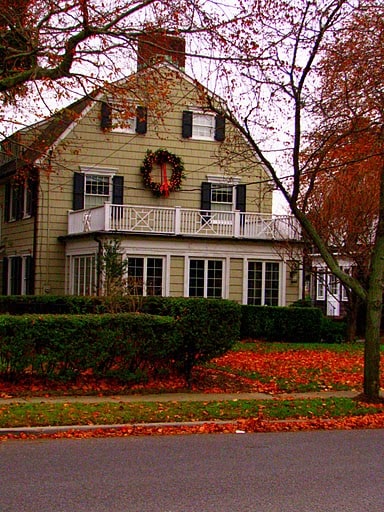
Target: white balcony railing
183,221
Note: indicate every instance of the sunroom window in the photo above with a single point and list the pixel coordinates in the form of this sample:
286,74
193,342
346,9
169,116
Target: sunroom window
263,283
206,278
145,276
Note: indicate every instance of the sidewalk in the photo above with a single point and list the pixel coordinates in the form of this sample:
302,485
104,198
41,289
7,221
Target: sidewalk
176,397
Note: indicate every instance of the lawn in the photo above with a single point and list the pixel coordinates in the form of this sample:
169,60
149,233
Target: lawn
250,366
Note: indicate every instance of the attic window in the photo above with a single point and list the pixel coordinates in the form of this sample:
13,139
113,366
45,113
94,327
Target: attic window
202,125
122,117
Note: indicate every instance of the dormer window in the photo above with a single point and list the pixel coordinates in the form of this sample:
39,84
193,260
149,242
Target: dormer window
116,118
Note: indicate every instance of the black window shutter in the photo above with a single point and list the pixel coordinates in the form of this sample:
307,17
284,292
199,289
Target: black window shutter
29,276
5,276
33,185
7,201
241,197
78,191
141,120
16,266
205,201
19,201
187,124
106,116
219,128
118,190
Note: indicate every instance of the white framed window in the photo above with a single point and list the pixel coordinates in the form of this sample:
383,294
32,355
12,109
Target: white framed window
83,276
222,197
18,275
263,283
123,120
145,275
206,278
97,190
321,284
123,116
19,201
203,126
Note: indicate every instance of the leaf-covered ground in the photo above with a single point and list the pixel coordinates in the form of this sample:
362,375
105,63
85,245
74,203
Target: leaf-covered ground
256,366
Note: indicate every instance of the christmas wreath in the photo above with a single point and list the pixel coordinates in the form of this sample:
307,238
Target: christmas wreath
162,157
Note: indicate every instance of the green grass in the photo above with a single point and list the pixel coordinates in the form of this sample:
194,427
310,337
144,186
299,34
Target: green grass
43,414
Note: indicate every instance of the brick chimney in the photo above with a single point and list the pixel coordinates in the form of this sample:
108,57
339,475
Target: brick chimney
159,46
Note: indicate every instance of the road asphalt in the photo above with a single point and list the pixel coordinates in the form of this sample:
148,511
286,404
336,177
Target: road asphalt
161,397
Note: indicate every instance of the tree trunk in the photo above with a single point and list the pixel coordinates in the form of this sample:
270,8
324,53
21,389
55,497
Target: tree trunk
374,309
352,314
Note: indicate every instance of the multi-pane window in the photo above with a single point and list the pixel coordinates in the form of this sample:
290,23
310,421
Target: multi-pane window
18,275
221,197
321,284
145,275
123,117
123,121
203,126
18,201
205,278
97,190
83,275
263,283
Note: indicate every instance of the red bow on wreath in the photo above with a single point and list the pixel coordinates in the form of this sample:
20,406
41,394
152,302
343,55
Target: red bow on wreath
164,187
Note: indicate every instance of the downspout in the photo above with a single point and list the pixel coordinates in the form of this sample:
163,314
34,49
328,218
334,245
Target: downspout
99,273
35,207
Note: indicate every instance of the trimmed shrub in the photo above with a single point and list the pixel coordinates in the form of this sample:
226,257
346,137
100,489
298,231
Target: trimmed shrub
64,345
333,331
281,323
208,327
50,304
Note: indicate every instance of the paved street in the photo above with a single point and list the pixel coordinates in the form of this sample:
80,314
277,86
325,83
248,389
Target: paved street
338,471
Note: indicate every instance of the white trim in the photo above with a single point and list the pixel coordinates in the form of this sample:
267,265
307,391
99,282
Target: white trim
88,169
222,179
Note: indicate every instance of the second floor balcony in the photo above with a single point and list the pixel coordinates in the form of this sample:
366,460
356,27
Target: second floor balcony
178,221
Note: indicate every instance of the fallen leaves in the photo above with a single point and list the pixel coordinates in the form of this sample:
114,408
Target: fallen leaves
253,425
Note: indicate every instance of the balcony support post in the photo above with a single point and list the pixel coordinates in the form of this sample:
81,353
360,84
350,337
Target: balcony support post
236,224
177,226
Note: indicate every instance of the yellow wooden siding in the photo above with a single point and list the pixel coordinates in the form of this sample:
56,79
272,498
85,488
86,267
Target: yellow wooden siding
292,290
236,280
176,278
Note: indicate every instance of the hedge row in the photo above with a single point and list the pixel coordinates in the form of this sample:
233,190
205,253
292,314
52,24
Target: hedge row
64,345
281,323
127,345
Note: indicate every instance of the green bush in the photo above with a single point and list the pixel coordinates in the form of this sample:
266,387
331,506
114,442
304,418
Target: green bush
64,345
281,323
208,327
175,332
50,304
333,331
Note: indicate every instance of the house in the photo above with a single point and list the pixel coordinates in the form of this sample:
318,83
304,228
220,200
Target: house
325,290
148,164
